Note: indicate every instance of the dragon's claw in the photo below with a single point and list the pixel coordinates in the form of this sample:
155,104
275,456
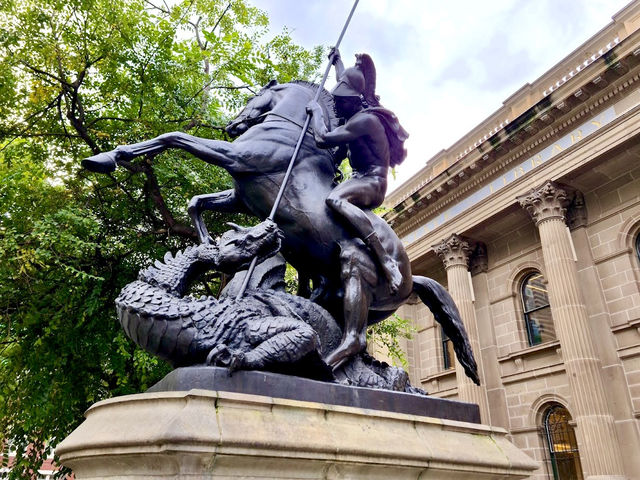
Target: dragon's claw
222,355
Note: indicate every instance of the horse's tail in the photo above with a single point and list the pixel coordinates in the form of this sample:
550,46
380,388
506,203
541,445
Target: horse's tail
434,296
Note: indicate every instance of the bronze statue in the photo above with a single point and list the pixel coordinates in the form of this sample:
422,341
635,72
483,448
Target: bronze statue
316,240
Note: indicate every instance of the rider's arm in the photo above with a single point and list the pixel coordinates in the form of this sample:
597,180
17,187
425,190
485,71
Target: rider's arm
336,59
355,128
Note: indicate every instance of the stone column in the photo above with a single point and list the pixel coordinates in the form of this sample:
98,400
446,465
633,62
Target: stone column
599,448
455,253
496,395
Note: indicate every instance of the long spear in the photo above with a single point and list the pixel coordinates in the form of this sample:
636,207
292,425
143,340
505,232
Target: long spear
276,203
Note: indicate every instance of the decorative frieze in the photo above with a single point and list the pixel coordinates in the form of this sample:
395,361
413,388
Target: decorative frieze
545,202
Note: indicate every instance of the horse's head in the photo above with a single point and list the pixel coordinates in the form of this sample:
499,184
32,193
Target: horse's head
250,114
237,247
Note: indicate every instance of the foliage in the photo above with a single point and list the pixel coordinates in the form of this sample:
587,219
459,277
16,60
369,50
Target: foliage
387,334
78,77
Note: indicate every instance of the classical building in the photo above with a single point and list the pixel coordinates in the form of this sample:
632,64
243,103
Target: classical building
532,221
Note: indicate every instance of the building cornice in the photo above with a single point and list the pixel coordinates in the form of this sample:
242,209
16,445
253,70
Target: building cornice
614,133
419,210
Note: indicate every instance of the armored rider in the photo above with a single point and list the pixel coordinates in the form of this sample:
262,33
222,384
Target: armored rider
374,139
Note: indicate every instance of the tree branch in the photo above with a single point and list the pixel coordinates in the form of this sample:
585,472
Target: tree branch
224,12
166,12
196,27
49,106
207,86
45,74
151,181
83,133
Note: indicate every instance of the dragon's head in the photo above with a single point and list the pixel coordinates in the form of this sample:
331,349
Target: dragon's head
237,247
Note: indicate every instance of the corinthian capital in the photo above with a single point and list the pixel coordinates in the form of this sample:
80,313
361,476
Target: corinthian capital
455,250
545,202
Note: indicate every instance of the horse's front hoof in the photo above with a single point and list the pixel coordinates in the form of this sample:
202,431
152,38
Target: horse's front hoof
101,163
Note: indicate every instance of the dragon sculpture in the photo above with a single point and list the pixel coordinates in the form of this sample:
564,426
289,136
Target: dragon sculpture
268,329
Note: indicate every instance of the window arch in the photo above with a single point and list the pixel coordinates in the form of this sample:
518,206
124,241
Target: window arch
561,443
537,313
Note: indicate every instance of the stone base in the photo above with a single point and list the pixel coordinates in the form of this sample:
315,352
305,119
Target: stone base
225,435
296,388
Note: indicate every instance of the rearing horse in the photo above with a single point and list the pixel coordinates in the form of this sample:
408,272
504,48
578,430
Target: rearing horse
346,280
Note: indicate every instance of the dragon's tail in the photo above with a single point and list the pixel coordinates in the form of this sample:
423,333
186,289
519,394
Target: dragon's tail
434,296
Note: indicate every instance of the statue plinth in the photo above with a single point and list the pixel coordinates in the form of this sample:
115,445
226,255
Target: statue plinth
270,384
218,434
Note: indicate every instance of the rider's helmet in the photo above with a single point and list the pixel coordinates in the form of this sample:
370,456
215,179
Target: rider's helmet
351,83
359,81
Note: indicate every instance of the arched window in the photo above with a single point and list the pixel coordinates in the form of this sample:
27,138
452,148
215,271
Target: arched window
561,444
638,246
537,313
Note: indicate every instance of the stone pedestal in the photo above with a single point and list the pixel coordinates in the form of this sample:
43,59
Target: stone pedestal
224,435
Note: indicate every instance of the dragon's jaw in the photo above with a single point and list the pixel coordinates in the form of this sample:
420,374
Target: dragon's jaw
238,247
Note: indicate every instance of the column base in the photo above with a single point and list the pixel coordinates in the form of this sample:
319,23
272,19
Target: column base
225,435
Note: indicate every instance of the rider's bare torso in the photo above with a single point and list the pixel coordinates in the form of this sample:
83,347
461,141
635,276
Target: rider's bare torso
364,136
369,153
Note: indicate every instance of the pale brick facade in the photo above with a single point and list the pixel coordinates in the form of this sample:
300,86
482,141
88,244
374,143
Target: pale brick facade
556,191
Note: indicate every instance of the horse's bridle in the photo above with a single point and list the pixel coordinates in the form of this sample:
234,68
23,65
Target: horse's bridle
257,119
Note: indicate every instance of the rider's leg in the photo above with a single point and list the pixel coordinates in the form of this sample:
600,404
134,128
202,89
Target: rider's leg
340,200
389,264
357,271
225,202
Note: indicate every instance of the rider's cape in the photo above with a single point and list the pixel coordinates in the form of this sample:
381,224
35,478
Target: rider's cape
395,134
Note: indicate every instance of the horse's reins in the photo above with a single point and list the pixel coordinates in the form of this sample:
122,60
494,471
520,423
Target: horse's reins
257,120
308,132
271,112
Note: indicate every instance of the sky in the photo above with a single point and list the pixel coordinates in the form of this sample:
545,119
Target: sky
445,66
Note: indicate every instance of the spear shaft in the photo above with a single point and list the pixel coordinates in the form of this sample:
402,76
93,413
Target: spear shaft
294,156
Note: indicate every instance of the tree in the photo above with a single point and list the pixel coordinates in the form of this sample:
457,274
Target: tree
79,77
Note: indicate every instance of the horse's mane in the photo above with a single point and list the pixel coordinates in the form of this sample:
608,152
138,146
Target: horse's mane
325,98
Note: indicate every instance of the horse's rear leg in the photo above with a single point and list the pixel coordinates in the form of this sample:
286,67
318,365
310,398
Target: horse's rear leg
357,299
224,202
